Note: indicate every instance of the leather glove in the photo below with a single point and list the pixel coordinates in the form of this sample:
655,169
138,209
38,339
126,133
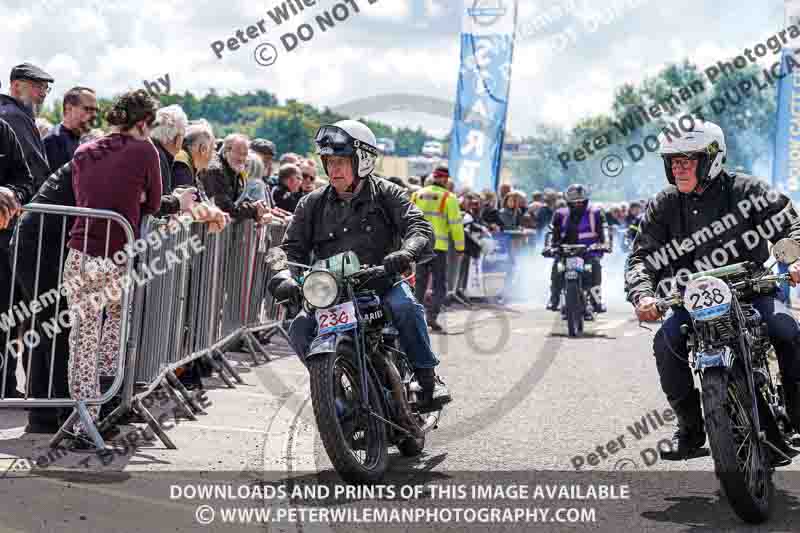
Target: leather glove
397,262
288,289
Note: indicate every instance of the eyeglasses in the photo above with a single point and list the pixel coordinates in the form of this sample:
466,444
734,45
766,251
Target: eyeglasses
42,87
683,162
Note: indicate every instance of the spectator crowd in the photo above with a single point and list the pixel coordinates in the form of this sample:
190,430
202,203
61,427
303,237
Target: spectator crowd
155,161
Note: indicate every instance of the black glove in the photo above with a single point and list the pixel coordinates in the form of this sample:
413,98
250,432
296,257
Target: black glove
288,289
397,262
548,252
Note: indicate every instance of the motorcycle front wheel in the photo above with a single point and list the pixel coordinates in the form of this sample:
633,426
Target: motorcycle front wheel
740,459
575,309
355,441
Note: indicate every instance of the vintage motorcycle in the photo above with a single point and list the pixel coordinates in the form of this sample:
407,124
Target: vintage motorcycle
743,402
576,299
363,388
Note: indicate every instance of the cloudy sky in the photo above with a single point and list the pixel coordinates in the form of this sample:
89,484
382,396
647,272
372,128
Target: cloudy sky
562,72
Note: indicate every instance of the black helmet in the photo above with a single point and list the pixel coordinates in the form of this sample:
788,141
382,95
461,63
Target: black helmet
576,193
349,138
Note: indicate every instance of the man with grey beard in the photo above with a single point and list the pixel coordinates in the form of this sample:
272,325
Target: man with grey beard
29,87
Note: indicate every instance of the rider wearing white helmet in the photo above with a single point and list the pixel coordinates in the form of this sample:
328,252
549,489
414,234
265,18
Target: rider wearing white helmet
375,219
708,218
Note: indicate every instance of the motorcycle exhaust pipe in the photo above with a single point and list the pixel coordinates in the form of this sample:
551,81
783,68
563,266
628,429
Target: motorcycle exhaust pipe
406,418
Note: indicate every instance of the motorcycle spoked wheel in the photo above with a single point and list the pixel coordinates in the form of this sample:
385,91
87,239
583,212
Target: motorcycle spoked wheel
355,441
741,462
575,307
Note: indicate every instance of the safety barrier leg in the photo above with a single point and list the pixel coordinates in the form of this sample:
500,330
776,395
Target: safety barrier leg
225,363
65,429
277,328
178,399
188,396
153,424
89,427
211,360
253,345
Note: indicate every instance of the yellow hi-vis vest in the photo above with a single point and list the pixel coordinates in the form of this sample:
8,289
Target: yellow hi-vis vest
441,210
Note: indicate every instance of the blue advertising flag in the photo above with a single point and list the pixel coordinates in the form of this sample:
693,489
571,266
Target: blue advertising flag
786,163
484,81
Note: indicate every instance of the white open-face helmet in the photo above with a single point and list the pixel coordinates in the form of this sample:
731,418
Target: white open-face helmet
349,138
705,141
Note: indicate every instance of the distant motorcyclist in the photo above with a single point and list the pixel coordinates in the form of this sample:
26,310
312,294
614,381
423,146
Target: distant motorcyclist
374,218
578,223
700,194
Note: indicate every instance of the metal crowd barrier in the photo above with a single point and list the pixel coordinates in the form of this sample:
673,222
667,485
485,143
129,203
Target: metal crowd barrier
199,294
37,288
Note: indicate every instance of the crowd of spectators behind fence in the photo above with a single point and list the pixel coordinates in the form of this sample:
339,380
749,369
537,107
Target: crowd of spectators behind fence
151,161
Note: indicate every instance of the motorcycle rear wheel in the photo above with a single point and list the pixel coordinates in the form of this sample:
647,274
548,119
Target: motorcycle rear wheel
355,441
741,461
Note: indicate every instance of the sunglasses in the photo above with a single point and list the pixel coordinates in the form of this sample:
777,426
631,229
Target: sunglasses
308,177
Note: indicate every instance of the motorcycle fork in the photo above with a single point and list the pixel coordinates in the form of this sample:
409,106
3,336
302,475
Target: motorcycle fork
363,370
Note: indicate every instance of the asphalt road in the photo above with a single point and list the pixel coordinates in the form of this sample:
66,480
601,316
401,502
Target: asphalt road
531,405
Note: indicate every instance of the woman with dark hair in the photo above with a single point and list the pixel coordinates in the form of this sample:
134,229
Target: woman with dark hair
119,172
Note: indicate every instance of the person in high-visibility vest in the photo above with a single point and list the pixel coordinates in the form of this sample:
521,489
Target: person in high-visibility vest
440,208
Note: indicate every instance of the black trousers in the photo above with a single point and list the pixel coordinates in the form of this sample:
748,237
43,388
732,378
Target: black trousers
49,267
8,334
437,266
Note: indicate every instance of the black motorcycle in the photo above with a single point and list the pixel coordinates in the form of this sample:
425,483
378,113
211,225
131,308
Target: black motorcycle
363,388
743,402
576,299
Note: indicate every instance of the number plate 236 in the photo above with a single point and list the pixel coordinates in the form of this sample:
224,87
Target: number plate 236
707,298
337,318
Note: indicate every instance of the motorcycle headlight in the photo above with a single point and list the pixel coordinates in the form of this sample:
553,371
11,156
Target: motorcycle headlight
320,289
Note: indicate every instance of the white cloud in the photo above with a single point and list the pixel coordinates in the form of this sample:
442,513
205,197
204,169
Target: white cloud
391,46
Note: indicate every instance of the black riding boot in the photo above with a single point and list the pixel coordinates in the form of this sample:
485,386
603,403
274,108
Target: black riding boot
690,435
793,404
434,393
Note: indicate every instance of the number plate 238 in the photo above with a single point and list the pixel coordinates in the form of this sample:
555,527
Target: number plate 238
337,318
707,298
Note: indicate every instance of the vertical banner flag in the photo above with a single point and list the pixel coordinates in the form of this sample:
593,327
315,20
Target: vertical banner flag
479,122
786,163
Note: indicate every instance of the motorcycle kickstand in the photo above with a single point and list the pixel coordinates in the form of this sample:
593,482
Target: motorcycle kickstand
379,417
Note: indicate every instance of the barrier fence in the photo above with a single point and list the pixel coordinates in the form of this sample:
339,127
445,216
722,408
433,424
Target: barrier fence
190,295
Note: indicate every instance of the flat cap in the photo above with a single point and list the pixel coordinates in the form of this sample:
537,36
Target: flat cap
263,146
26,71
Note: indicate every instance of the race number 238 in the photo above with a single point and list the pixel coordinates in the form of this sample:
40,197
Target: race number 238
706,293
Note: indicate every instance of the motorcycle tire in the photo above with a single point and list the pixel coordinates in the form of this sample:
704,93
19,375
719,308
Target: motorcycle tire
727,406
574,309
326,373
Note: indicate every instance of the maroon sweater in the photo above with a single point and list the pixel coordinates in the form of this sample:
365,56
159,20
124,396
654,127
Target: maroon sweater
111,173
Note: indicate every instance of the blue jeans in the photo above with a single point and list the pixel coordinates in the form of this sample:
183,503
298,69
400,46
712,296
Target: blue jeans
669,346
408,317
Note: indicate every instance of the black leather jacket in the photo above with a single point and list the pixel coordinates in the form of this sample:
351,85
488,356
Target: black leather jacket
730,222
379,220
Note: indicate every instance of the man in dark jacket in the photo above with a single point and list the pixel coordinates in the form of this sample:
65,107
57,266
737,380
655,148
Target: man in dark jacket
368,216
29,88
707,218
16,188
224,179
80,110
288,193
